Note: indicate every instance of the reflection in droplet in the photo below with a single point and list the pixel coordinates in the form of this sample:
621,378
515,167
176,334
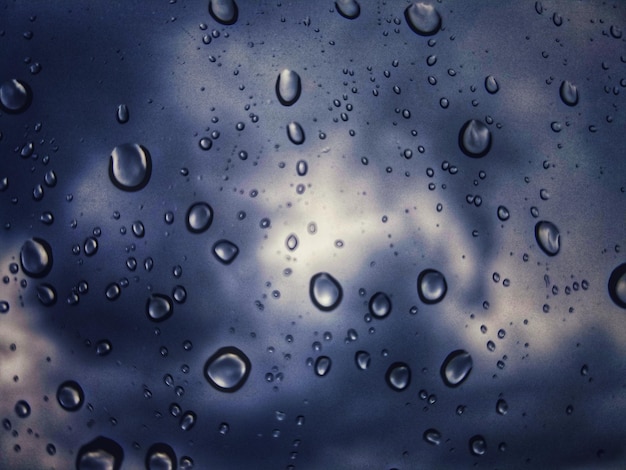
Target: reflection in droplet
295,133
548,237
398,376
112,291
130,167
503,213
431,286
224,11
15,96
302,167
617,286
22,409
380,305
478,445
160,456
568,93
362,359
502,407
70,395
227,369
432,436
423,19
322,366
475,138
46,294
103,347
288,87
325,292
199,217
225,251
36,257
101,453
456,368
292,242
348,8
91,246
159,307
122,115
491,85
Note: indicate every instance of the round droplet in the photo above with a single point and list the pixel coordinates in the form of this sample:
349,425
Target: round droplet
349,9
46,294
617,286
205,143
91,246
15,96
325,292
431,286
36,257
502,407
491,85
159,307
548,237
130,167
456,368
103,347
70,395
475,138
503,213
22,409
101,453
432,436
398,376
423,19
362,359
160,456
228,369
380,305
568,93
295,133
199,217
288,87
113,291
292,242
322,366
224,11
122,115
225,251
478,445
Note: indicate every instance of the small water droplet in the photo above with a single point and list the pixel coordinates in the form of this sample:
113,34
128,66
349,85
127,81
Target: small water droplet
100,453
46,294
70,395
325,292
159,307
225,251
478,445
224,11
568,93
362,359
103,347
188,420
130,167
302,167
36,257
432,436
475,138
502,407
292,242
288,87
617,286
295,133
423,19
380,305
398,376
491,85
112,291
160,456
199,217
322,366
227,369
22,409
456,368
431,286
122,114
349,9
548,237
15,96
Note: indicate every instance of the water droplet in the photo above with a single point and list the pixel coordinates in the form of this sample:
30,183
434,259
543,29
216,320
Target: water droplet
130,167
50,178
22,409
491,85
362,359
503,213
225,251
70,395
122,115
101,453
617,286
502,407
103,347
475,138
302,167
322,365
292,242
36,257
224,428
431,286
205,143
349,9
295,133
432,436
288,87
112,291
188,420
4,306
380,305
159,307
224,11
548,237
398,376
199,217
51,449
423,19
15,96
569,93
228,369
91,246
456,368
478,445
46,294
325,292
160,456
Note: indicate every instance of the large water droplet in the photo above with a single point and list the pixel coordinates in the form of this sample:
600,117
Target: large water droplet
432,436
548,237
102,454
46,294
302,167
160,456
130,167
159,307
475,138
478,445
322,365
36,257
380,305
491,85
348,8
617,286
199,217
295,133
398,376
15,96
569,93
225,251
288,87
70,395
362,359
456,368
224,11
431,286
228,369
423,19
325,292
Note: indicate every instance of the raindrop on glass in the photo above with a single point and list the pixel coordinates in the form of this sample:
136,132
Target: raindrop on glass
70,395
548,237
423,19
36,257
225,251
617,286
130,167
431,286
325,291
322,366
380,305
456,368
475,138
159,307
398,376
568,93
295,133
15,96
224,11
349,9
199,217
288,87
227,369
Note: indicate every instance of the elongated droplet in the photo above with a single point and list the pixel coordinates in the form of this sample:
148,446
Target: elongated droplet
122,115
348,8
380,305
325,292
362,359
225,251
502,407
491,85
431,286
432,436
160,456
456,368
302,167
288,87
475,138
617,286
224,11
478,445
159,307
292,242
398,376
130,167
228,369
15,96
70,395
199,217
322,366
295,133
503,213
101,453
36,257
548,237
568,93
423,19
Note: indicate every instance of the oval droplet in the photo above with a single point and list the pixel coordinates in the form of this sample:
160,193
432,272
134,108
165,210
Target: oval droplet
225,251
349,9
295,133
199,217
46,294
569,93
288,87
475,138
91,246
70,395
478,445
322,366
380,305
617,286
101,453
228,369
36,257
325,292
302,167
22,409
423,19
431,286
130,167
113,291
491,85
15,96
548,237
103,347
159,307
362,359
398,376
292,242
432,436
456,368
503,213
122,115
224,11
160,456
502,407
